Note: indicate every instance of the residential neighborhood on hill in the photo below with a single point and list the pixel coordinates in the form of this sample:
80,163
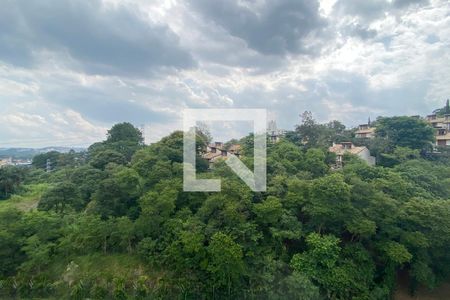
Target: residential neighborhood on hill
225,149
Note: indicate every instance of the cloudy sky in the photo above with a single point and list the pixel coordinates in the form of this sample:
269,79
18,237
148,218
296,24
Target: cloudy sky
69,69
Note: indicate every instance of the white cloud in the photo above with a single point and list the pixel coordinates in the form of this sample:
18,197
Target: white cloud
395,60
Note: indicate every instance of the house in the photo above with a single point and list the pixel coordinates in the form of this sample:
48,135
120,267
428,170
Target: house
273,132
348,148
214,151
365,131
15,162
217,151
234,149
216,145
439,121
442,126
443,137
6,162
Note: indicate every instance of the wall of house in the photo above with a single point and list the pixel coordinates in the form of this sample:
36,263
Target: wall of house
365,155
443,143
365,135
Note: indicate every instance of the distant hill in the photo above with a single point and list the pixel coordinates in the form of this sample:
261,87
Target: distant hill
27,153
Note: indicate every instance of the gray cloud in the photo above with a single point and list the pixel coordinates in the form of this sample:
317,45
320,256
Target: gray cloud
366,10
360,31
372,9
406,3
271,28
247,53
100,105
101,39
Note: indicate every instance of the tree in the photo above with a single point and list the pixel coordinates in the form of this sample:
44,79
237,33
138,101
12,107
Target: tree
124,132
269,211
125,233
225,261
328,203
444,110
113,197
203,136
122,138
87,178
156,208
341,234
11,241
398,155
61,196
309,130
406,132
315,162
87,234
334,269
102,158
425,242
10,180
38,253
40,160
313,134
296,286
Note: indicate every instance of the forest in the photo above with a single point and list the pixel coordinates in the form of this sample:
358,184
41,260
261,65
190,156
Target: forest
113,222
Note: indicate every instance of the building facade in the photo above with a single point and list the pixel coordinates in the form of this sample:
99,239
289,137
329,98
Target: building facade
442,126
273,132
348,148
217,151
365,131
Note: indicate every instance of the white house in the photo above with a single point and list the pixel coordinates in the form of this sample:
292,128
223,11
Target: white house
343,148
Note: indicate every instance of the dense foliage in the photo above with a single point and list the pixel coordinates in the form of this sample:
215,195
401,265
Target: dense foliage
120,226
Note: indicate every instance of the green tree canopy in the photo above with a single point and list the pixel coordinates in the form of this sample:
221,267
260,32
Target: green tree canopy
124,132
61,197
406,132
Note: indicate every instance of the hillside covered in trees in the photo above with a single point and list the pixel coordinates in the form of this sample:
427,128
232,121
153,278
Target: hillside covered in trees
114,222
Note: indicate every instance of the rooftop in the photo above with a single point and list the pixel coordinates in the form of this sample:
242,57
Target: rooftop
341,149
367,130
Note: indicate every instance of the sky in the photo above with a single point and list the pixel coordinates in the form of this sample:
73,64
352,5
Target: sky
70,69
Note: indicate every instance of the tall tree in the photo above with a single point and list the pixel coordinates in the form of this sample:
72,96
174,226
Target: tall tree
10,180
405,132
225,261
124,132
312,134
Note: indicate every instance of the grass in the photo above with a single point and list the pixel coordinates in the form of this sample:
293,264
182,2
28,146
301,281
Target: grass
125,265
27,199
118,264
99,267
